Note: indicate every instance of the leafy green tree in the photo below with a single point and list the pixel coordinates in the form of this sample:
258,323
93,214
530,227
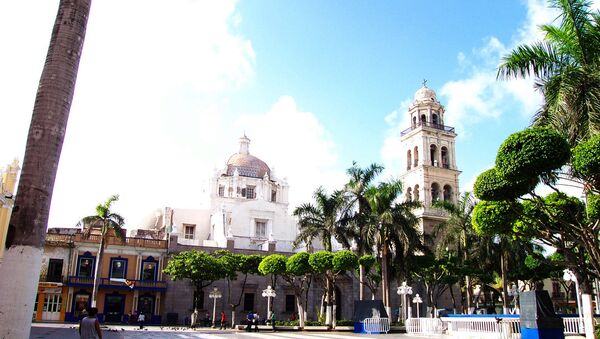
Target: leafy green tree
106,222
273,265
565,66
357,213
298,275
585,163
235,265
437,274
201,268
321,220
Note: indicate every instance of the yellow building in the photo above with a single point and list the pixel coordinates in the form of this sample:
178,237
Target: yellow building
7,192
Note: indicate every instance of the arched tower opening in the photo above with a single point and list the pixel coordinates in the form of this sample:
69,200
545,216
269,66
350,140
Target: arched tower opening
448,193
445,157
435,192
408,159
433,155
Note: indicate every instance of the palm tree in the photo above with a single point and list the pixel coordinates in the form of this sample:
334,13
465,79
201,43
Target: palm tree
395,227
566,67
457,233
357,212
106,222
47,130
321,220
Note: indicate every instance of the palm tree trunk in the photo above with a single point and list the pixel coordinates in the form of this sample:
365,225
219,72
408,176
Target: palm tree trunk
361,282
27,230
98,270
384,279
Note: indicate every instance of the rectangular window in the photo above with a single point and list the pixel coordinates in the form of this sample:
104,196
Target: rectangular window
118,268
290,303
250,192
148,270
85,267
249,302
260,229
189,231
55,267
273,195
221,191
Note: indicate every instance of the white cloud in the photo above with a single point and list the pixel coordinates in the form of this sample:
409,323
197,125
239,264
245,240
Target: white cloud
152,89
478,95
294,143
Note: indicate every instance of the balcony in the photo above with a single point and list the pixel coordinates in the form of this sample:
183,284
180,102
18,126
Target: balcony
52,278
142,285
57,239
429,125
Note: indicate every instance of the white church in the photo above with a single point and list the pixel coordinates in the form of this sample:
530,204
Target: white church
249,204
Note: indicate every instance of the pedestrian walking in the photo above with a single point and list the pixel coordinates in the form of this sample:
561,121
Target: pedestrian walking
273,318
89,327
256,321
141,319
223,320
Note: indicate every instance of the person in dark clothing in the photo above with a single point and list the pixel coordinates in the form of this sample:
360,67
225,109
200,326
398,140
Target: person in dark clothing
249,320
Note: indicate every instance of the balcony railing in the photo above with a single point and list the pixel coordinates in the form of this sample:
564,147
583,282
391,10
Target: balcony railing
94,238
430,125
107,283
52,278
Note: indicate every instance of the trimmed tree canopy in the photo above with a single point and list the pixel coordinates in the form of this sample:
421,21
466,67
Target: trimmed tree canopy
593,207
532,152
273,264
586,161
298,264
491,185
493,217
344,261
197,266
321,261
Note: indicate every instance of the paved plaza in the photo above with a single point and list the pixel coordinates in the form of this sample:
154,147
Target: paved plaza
69,331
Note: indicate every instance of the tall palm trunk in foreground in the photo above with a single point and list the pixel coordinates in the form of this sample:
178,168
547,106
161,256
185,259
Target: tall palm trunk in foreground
19,272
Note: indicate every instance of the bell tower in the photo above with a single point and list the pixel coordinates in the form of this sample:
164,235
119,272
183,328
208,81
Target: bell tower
429,172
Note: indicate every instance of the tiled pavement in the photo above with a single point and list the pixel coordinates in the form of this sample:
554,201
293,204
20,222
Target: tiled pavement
69,331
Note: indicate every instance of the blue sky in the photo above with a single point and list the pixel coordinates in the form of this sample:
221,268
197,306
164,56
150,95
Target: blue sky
165,90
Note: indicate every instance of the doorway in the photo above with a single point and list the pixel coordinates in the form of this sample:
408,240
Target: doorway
113,308
52,304
146,306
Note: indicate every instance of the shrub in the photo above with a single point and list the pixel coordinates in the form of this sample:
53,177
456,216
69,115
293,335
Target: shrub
586,160
532,152
491,186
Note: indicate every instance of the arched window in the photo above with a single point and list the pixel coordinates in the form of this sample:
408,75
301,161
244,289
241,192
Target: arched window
433,155
445,159
434,119
447,193
416,192
435,191
423,119
416,154
408,159
414,121
409,194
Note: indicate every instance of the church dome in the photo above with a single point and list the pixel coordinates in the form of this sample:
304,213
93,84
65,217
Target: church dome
246,164
425,94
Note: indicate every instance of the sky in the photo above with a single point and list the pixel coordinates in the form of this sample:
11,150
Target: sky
166,88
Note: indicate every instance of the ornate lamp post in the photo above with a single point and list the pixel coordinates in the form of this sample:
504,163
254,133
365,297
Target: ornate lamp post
269,293
417,300
214,294
404,290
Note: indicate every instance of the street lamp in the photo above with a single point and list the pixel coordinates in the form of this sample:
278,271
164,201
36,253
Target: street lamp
417,300
214,294
269,293
404,290
569,276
